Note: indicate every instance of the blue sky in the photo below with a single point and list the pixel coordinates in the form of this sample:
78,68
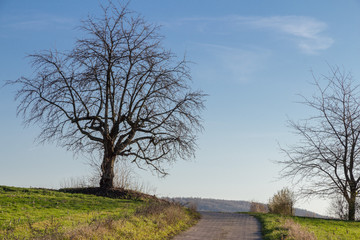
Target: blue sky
252,57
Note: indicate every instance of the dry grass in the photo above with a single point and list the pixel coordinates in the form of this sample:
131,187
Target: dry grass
169,212
153,221
279,227
156,220
276,227
297,232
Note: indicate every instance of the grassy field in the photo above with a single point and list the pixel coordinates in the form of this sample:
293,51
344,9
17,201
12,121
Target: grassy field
277,227
49,214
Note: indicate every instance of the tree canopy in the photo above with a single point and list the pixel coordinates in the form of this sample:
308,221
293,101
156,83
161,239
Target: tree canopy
118,91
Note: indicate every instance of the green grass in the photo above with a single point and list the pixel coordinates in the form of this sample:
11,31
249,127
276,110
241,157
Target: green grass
331,229
49,214
272,226
275,227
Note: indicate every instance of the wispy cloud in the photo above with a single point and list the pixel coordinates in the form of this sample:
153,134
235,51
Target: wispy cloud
309,34
36,22
231,63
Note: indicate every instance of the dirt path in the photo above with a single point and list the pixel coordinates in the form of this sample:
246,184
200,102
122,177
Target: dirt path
223,226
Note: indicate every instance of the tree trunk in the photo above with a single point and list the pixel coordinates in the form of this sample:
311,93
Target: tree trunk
107,172
352,206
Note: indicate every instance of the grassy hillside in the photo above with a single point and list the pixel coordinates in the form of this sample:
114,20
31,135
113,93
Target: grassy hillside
279,227
49,214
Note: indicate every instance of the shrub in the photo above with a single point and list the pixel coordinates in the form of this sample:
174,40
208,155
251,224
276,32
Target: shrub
282,202
258,207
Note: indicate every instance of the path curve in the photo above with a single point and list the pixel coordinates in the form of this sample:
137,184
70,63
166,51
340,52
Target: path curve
223,226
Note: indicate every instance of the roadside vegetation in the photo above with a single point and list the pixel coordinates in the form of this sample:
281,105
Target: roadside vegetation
275,227
278,222
50,214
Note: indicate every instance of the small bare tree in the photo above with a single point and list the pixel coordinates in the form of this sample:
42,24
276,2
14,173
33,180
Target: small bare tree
118,91
328,156
338,208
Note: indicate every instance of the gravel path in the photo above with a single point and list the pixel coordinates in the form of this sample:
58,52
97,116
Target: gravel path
223,226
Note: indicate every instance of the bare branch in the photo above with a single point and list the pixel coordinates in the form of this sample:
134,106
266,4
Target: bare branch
118,91
327,156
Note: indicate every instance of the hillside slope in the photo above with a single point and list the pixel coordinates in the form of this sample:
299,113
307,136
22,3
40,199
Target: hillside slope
30,213
218,205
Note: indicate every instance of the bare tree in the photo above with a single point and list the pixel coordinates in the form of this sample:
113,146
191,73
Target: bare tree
117,91
327,157
338,208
